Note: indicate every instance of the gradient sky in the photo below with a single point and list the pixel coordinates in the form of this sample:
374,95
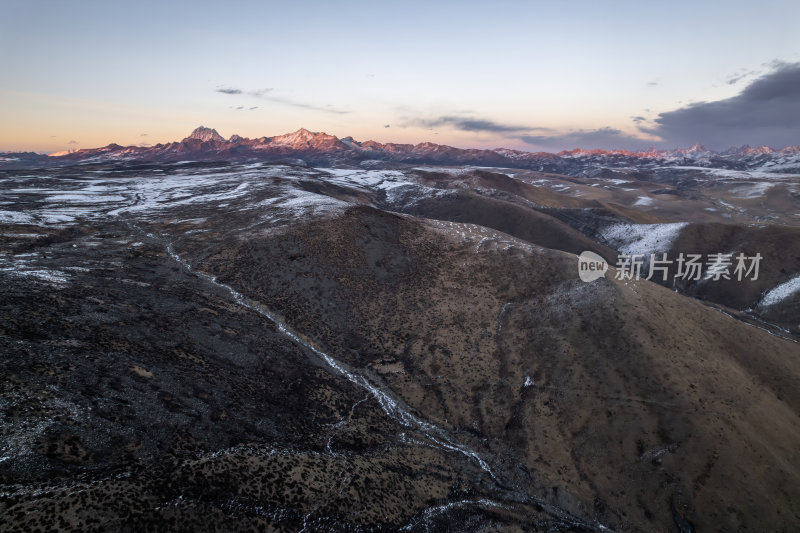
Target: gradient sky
528,75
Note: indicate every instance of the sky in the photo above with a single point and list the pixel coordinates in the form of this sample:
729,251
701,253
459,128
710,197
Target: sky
528,75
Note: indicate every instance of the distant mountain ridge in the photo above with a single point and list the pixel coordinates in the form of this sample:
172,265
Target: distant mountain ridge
318,148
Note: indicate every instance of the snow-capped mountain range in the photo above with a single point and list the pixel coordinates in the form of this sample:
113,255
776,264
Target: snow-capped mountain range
315,148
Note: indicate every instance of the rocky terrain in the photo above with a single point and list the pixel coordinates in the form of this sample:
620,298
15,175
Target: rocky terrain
287,345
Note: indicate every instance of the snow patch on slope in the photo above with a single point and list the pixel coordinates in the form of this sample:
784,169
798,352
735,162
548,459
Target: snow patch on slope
753,190
398,188
781,292
297,203
641,238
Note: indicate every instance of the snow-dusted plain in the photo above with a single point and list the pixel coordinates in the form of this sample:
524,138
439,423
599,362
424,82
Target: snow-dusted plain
277,190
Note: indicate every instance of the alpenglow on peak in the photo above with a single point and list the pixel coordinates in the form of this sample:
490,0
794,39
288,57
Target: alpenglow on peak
202,133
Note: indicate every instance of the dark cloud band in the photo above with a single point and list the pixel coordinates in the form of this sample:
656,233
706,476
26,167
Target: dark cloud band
766,112
603,139
473,124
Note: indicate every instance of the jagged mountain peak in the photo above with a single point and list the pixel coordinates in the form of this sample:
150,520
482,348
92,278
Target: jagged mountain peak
763,149
697,147
304,139
201,133
300,135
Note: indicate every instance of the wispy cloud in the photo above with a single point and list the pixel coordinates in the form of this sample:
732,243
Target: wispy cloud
736,78
256,92
301,105
73,142
143,135
472,124
264,94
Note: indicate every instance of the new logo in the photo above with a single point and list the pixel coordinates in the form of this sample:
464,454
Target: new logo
591,266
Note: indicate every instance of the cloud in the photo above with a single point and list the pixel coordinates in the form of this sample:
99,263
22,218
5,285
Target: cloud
254,107
767,111
387,126
736,78
301,105
264,95
232,90
473,125
541,138
73,142
603,138
143,135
